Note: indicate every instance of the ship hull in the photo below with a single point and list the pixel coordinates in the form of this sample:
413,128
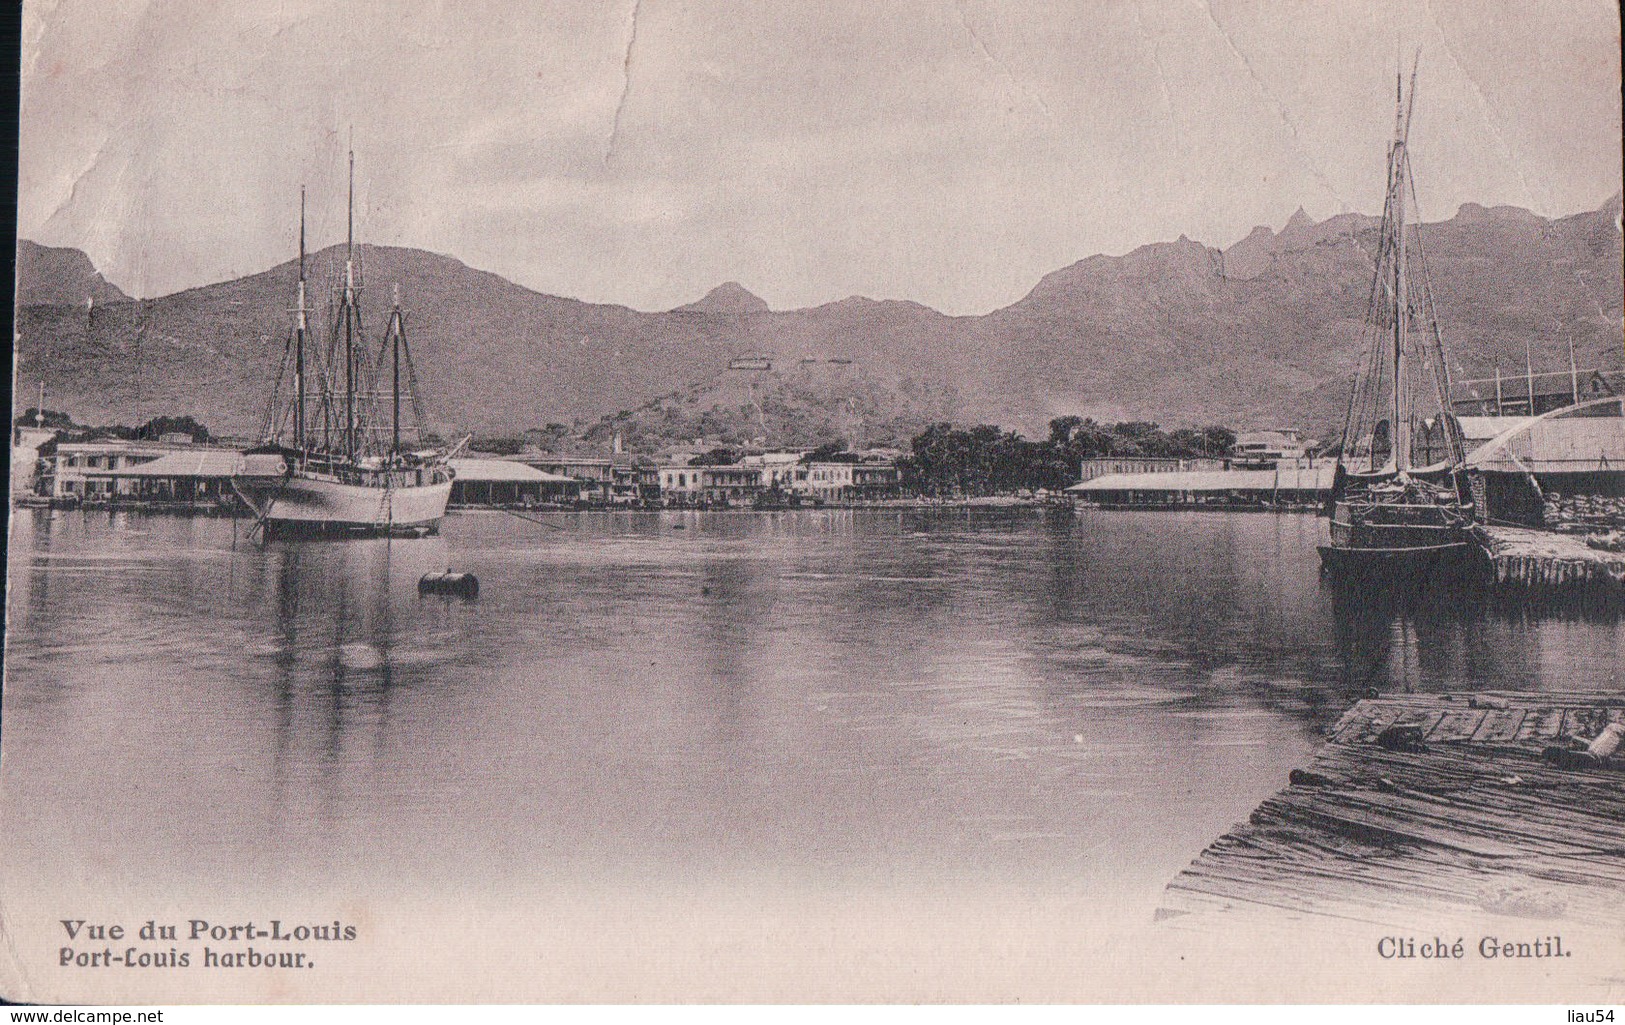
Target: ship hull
306,506
1387,541
1385,537
1394,563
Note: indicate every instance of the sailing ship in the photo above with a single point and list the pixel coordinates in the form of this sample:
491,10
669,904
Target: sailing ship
334,462
1399,500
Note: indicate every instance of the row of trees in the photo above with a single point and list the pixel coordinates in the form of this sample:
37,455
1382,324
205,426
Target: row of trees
985,460
152,430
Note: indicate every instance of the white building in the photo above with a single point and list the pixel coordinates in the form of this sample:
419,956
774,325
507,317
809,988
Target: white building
25,457
831,482
783,469
1264,449
680,484
89,470
110,470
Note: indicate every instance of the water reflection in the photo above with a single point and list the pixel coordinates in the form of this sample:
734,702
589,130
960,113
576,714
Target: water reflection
816,691
338,636
1459,634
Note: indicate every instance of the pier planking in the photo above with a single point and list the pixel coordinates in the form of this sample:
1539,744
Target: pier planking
1476,823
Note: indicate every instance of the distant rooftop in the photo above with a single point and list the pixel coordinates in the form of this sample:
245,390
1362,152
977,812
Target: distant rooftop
505,470
1287,479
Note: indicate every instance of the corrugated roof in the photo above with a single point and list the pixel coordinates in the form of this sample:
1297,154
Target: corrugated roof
1483,428
1291,479
493,470
1589,438
208,462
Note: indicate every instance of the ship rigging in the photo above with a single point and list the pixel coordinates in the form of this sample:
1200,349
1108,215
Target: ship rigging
1399,498
344,471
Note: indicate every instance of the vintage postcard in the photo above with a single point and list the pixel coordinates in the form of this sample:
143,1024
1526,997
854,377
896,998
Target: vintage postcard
939,501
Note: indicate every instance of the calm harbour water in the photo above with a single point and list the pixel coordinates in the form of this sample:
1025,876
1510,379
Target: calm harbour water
824,696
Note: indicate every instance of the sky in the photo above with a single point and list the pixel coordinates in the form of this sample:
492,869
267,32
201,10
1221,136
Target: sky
641,152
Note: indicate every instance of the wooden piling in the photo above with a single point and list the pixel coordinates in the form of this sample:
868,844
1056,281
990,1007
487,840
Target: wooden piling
1543,560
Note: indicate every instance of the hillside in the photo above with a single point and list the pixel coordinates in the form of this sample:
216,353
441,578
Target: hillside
728,297
1265,332
798,403
48,276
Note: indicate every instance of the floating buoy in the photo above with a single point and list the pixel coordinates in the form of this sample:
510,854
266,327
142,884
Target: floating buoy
360,655
466,585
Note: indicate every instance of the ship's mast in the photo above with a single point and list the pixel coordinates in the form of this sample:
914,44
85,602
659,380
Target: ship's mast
1529,376
400,327
1399,172
349,313
299,341
1574,375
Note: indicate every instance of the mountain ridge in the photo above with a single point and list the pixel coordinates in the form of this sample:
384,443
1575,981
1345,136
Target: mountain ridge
728,297
60,276
1263,331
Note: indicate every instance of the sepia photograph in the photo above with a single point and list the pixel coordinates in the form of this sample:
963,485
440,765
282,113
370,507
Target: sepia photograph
920,502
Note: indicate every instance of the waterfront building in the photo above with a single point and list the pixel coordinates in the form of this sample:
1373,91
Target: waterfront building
829,482
710,486
595,474
503,483
105,469
1510,394
743,482
1263,450
734,485
783,469
1534,464
192,475
679,484
1532,470
635,481
876,480
1285,486
114,471
1520,469
30,471
866,480
83,468
180,472
1092,468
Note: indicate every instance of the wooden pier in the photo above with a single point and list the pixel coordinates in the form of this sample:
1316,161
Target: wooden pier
1432,804
1543,560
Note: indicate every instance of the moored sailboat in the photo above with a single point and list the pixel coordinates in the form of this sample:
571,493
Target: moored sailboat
1399,499
348,469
